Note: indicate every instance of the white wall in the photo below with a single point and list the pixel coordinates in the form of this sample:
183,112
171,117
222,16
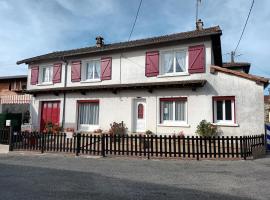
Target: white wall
118,107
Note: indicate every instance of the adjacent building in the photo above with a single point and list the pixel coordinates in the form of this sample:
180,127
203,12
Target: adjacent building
165,84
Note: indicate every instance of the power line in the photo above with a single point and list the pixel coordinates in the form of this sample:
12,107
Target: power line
244,26
135,20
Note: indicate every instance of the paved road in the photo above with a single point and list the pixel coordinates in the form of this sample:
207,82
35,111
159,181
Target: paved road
27,177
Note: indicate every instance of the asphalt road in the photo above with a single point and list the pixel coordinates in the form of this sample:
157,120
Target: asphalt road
27,177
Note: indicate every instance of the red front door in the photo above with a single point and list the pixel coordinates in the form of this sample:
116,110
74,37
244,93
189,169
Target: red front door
50,112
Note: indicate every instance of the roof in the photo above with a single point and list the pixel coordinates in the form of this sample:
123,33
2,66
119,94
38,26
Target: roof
116,87
267,98
236,65
13,77
257,79
127,45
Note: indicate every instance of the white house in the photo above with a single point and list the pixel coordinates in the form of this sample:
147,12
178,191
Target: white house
165,84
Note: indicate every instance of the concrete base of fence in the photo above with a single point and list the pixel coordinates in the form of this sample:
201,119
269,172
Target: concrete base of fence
4,148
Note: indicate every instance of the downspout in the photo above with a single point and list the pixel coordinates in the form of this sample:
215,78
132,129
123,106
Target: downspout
64,100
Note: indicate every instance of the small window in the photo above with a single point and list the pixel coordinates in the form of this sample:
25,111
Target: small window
92,70
140,111
224,111
46,74
173,110
88,115
173,62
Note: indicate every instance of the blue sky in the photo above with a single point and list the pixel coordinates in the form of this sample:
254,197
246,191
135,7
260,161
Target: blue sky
34,27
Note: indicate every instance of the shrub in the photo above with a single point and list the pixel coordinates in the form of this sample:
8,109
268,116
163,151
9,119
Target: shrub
98,131
52,128
148,132
206,129
118,128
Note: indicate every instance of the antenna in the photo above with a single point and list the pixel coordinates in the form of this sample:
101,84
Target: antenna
197,9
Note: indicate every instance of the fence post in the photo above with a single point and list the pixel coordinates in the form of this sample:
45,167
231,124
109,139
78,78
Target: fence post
148,147
245,147
42,142
102,145
10,139
197,147
78,149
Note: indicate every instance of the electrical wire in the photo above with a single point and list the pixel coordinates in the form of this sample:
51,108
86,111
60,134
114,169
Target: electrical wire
135,20
244,26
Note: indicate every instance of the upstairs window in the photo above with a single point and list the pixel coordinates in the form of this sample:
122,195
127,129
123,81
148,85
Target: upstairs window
92,70
46,74
173,110
173,62
224,110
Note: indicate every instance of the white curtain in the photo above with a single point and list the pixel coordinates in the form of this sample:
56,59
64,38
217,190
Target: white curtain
89,113
180,111
89,71
167,65
46,75
97,69
180,61
167,110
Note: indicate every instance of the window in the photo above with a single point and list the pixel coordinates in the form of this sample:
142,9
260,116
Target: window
88,115
46,74
92,70
140,111
173,62
224,110
173,110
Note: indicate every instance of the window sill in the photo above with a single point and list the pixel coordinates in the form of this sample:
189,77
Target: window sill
174,125
226,124
44,84
91,81
173,75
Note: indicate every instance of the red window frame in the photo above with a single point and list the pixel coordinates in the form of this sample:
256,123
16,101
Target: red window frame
223,98
169,99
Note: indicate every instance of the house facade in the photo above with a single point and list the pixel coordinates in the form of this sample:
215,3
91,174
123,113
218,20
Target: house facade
164,84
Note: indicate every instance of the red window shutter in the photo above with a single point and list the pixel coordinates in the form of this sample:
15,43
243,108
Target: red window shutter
196,56
152,63
76,71
106,68
57,69
34,75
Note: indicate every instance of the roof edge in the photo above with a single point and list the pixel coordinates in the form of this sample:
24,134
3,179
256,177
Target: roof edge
257,79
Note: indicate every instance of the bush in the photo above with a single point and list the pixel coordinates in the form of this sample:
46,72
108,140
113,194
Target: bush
118,129
148,132
52,128
206,129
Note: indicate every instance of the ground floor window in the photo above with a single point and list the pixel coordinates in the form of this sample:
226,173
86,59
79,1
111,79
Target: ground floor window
88,114
173,110
224,109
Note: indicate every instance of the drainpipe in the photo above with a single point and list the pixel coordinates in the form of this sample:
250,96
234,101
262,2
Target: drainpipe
65,85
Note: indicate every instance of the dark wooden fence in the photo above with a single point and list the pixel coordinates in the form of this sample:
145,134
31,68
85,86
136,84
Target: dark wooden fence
141,145
4,135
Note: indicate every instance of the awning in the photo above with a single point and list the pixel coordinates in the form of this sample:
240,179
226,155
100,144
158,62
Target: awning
16,99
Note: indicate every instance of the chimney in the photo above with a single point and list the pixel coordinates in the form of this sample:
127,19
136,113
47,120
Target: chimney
99,41
199,25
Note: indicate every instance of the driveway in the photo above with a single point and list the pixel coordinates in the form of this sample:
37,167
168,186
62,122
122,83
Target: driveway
48,176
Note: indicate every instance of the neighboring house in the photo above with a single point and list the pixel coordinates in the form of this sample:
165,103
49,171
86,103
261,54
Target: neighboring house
238,66
267,109
13,101
165,84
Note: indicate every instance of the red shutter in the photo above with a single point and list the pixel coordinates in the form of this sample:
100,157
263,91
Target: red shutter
152,63
34,75
76,71
196,56
106,68
57,69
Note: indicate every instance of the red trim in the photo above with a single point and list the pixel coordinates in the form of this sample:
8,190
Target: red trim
222,98
174,99
88,101
146,70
